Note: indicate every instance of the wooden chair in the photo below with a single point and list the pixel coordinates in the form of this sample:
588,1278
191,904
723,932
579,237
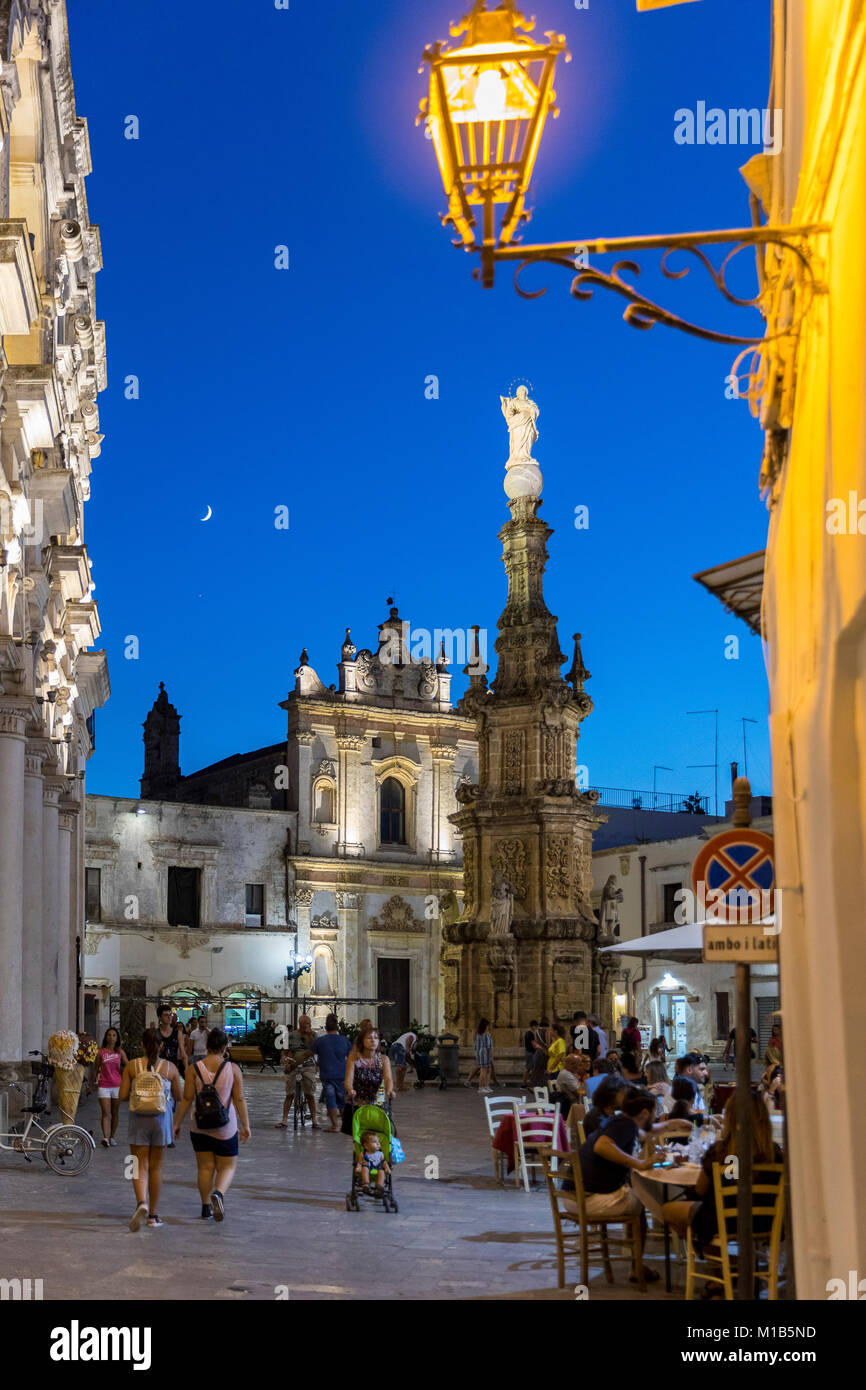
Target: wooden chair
497,1108
537,1125
768,1201
574,1124
589,1233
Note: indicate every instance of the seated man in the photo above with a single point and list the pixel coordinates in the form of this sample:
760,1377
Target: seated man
568,1082
601,1068
607,1161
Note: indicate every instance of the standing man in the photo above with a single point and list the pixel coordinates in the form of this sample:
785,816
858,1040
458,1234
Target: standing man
401,1054
583,1037
595,1022
297,1057
331,1051
171,1040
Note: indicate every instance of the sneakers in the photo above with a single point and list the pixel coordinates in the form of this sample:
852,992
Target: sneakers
138,1216
105,1143
218,1204
206,1211
113,1143
154,1220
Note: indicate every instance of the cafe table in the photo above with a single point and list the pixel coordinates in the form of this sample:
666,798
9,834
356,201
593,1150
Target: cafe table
684,1176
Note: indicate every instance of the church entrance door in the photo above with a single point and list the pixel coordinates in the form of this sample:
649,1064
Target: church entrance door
392,982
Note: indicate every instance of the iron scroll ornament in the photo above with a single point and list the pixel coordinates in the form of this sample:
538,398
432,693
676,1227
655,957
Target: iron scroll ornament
642,312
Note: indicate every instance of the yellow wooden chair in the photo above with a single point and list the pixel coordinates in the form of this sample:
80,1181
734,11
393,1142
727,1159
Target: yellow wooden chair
578,1234
768,1201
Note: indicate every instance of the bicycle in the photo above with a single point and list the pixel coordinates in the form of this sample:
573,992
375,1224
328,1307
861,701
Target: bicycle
66,1148
300,1106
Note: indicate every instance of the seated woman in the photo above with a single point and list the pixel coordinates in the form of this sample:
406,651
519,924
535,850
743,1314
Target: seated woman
772,1089
631,1071
659,1086
701,1214
683,1097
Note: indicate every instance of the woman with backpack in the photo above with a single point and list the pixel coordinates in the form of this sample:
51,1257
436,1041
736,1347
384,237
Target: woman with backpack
148,1083
215,1087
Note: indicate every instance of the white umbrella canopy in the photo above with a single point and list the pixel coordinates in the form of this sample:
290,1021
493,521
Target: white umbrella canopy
684,943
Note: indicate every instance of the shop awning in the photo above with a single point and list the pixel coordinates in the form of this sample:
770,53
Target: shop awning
739,584
679,943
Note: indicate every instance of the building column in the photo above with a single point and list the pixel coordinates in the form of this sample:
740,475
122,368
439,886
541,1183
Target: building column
51,789
33,925
350,961
348,798
444,802
303,901
66,824
12,759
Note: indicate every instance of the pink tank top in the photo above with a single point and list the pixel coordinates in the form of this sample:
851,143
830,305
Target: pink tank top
109,1068
224,1089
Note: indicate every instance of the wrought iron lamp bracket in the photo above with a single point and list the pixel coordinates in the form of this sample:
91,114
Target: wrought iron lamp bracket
788,281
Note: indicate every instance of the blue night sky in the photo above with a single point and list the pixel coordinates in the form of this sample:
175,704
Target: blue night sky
306,387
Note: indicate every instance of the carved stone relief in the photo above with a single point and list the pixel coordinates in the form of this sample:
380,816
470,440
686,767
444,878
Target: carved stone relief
510,864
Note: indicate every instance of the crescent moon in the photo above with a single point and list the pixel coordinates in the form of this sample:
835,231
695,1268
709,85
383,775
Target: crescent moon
209,513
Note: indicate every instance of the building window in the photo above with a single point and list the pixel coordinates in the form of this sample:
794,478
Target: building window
671,901
392,803
93,895
255,908
184,897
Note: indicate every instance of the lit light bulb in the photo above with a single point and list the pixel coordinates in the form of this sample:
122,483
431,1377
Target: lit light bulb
490,95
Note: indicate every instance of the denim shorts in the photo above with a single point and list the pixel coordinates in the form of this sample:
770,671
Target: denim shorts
397,1055
333,1095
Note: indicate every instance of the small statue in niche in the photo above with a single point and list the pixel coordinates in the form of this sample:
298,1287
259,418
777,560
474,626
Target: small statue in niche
501,908
608,912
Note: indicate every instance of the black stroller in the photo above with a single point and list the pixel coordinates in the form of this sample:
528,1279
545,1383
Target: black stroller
427,1070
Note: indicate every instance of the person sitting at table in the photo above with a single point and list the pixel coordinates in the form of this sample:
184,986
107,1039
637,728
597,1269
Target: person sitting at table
693,1065
569,1083
631,1070
608,1098
601,1068
658,1052
659,1086
700,1214
613,1057
683,1092
607,1161
772,1089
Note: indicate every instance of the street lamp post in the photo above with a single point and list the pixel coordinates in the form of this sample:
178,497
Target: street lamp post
485,112
301,965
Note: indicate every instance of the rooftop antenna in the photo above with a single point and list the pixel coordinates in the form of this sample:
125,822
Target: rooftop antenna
745,720
715,763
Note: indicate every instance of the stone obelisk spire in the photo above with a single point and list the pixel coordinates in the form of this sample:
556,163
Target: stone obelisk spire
524,946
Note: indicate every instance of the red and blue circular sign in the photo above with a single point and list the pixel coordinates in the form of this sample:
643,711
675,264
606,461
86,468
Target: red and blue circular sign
737,863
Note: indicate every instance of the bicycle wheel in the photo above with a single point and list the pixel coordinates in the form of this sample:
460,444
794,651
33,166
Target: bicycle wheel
68,1150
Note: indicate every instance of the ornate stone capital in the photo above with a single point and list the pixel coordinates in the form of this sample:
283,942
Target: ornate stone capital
13,722
443,752
302,897
350,743
349,901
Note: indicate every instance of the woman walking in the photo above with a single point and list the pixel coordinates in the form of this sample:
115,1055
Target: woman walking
149,1083
106,1075
484,1055
216,1147
368,1078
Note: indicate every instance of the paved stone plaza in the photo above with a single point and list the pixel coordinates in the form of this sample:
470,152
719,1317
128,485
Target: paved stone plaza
460,1236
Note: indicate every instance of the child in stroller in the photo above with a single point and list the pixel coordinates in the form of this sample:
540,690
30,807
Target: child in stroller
371,1144
425,1070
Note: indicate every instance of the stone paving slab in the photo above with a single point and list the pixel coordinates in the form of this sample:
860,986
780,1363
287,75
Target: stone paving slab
462,1236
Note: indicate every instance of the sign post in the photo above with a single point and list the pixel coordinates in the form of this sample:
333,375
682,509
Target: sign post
734,864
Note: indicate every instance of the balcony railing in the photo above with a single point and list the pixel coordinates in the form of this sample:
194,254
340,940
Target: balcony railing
628,799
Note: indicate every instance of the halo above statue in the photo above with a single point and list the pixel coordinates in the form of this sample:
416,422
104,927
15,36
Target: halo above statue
519,381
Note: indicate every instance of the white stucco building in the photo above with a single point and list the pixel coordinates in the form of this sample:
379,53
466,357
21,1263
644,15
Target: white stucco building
52,368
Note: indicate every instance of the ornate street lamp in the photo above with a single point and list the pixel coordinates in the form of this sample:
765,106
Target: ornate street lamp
488,102
485,114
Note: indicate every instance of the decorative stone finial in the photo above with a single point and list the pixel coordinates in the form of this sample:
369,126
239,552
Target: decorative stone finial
578,674
441,660
304,659
348,649
742,799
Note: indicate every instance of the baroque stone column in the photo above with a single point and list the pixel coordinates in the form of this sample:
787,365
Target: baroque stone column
12,764
303,901
51,791
443,802
34,920
65,944
348,795
352,958
524,945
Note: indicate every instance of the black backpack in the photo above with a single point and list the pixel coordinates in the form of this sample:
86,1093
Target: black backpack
210,1113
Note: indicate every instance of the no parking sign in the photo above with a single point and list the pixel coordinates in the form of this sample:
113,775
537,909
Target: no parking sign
733,876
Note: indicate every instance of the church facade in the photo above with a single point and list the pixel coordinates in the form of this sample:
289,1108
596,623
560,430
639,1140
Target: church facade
335,843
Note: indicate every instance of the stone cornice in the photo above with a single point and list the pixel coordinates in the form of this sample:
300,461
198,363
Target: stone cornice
376,718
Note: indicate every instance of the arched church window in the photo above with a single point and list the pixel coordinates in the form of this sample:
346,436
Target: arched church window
324,810
393,812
